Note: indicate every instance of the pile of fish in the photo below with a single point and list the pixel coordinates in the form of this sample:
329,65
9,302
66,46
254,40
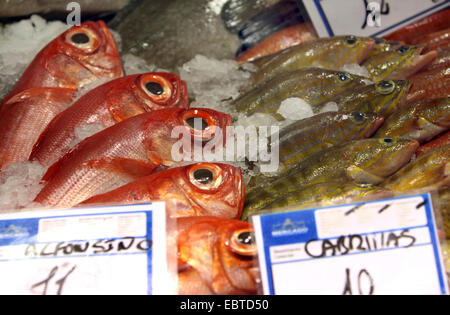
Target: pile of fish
387,134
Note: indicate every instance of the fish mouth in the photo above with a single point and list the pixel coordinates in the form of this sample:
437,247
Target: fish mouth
110,50
255,274
401,157
412,146
237,191
379,120
184,95
181,98
404,98
422,60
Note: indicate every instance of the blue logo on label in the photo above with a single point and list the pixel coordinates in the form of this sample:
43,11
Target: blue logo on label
289,227
13,231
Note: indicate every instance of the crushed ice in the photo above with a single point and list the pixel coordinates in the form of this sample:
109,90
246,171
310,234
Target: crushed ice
20,42
329,107
356,69
212,83
295,108
20,184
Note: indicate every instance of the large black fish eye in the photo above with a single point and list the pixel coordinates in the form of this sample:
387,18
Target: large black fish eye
80,38
403,49
246,238
154,88
388,140
203,176
351,40
191,122
358,116
342,76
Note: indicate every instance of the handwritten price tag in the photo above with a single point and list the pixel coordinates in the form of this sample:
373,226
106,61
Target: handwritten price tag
111,250
367,17
381,247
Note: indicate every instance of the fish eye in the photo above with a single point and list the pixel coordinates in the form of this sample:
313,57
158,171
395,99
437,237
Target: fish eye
385,87
386,140
79,38
197,123
83,39
246,238
203,176
158,88
154,88
358,117
350,40
201,124
403,49
206,176
343,76
243,242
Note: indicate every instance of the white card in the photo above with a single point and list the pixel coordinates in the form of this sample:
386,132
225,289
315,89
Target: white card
374,18
380,247
105,250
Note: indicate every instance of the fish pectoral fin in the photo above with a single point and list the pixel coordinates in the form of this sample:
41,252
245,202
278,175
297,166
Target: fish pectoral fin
359,175
422,123
125,167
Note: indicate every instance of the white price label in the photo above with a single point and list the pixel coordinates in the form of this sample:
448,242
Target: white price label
381,247
107,250
367,17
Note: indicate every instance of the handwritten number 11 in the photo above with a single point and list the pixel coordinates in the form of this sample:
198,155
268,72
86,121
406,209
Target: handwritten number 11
59,282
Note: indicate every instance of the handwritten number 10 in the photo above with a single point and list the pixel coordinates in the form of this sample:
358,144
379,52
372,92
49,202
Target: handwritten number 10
363,274
45,283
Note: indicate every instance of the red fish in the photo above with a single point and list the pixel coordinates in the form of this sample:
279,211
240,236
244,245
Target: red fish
288,37
131,149
215,256
25,117
80,56
107,105
437,41
437,143
430,84
442,61
417,30
202,189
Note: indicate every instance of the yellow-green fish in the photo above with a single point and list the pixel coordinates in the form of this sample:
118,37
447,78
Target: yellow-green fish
326,194
383,98
421,121
429,170
308,136
329,53
398,64
383,45
367,161
313,85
